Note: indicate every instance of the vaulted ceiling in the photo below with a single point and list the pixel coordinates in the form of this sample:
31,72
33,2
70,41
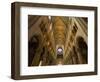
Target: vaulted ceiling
52,32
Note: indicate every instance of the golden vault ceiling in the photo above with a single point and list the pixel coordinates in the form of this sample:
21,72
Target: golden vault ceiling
57,40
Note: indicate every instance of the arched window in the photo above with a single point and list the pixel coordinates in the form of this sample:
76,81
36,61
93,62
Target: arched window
59,52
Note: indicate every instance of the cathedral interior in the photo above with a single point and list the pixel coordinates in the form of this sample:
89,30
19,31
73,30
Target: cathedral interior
57,40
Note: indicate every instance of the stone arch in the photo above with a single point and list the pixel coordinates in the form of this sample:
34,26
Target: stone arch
82,48
33,45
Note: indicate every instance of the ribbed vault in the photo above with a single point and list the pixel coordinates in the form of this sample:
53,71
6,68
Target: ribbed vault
52,40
